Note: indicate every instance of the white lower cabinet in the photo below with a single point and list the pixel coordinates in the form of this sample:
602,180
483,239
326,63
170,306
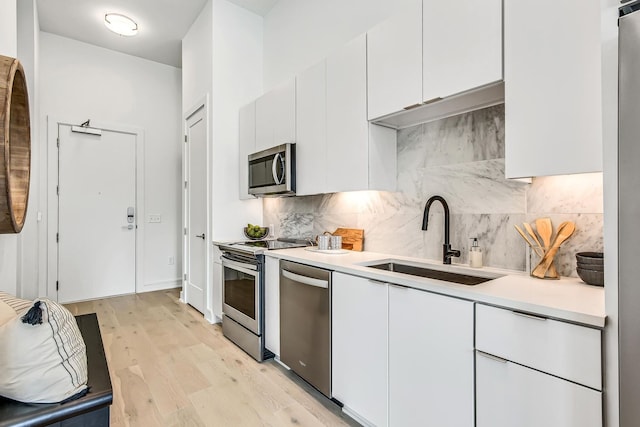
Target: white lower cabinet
359,347
533,371
216,284
272,305
430,359
508,394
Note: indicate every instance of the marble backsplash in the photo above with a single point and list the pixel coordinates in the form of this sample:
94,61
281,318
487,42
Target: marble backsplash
460,158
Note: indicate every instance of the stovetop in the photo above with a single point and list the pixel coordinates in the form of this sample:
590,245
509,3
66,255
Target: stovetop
259,246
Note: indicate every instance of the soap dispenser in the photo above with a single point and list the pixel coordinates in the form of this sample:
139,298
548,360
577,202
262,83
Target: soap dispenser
475,254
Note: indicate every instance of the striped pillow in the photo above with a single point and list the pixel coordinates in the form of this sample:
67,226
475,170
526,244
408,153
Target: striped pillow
43,357
10,306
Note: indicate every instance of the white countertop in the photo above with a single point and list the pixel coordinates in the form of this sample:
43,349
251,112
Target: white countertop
565,299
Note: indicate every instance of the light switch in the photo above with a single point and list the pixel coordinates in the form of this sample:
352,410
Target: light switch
155,218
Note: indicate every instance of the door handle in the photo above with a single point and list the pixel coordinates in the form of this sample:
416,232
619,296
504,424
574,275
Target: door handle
200,236
274,169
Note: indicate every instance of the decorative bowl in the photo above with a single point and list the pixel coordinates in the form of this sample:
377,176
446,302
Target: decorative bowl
590,257
594,267
264,232
591,277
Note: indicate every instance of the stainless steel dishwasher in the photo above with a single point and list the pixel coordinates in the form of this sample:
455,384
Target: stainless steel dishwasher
305,323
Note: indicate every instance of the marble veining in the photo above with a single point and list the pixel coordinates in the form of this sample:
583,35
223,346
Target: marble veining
462,159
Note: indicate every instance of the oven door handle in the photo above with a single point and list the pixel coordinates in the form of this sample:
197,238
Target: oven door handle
305,280
245,268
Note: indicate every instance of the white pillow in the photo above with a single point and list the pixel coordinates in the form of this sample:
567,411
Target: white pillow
43,357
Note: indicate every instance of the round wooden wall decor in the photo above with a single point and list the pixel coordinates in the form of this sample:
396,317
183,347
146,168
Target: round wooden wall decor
15,146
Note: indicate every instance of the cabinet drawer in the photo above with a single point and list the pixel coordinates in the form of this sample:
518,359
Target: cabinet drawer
508,395
563,349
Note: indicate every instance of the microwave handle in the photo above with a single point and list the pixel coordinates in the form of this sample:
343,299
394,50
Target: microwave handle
274,169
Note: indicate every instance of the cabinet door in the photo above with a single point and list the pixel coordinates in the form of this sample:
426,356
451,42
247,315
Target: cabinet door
394,62
311,130
359,347
272,305
430,359
462,45
510,395
276,116
553,122
247,141
347,125
216,284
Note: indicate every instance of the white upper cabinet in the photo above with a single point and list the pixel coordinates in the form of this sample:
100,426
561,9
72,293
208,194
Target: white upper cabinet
247,139
552,58
311,126
276,116
394,62
462,45
359,157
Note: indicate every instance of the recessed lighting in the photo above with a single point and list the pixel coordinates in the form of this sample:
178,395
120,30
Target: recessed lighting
121,24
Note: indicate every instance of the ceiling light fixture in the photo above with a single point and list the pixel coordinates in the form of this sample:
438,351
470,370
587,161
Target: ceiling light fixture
121,24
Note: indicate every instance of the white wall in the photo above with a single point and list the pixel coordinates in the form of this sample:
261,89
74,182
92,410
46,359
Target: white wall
299,33
8,243
222,58
8,28
197,59
28,272
79,81
237,73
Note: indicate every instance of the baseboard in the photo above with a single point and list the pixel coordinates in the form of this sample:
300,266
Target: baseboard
160,285
356,417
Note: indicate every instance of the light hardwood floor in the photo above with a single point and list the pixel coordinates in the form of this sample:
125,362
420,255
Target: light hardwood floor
170,367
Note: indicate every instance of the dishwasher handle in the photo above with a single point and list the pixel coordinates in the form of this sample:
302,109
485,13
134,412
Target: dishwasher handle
305,280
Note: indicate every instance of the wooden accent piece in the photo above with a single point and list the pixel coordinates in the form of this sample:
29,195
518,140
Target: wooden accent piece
15,146
352,238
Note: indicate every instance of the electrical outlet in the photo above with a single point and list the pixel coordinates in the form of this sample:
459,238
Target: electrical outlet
155,218
172,260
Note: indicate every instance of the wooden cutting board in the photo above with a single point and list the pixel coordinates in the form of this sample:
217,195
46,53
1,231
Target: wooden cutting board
352,238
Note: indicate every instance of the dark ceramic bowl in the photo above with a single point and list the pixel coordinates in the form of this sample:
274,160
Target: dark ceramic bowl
594,267
590,257
591,277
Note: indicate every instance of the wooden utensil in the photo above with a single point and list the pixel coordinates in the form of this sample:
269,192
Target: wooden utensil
545,230
565,230
539,249
352,238
524,236
553,273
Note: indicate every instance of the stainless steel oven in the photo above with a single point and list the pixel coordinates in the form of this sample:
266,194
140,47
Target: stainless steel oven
243,301
241,291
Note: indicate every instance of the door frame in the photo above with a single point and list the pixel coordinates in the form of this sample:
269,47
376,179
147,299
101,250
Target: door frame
201,104
52,198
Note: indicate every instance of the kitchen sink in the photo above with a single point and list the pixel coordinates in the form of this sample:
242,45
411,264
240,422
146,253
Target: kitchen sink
431,273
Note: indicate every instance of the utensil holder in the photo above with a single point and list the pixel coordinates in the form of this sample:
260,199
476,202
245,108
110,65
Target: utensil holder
534,259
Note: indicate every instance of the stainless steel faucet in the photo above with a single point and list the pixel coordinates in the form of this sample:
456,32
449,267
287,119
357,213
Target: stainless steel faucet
447,252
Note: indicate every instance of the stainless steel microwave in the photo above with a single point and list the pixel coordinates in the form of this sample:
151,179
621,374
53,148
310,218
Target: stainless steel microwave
272,172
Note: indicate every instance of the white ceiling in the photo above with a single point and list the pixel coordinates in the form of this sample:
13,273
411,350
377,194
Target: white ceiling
162,23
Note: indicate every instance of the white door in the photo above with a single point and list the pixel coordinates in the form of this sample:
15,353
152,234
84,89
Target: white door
96,235
196,210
